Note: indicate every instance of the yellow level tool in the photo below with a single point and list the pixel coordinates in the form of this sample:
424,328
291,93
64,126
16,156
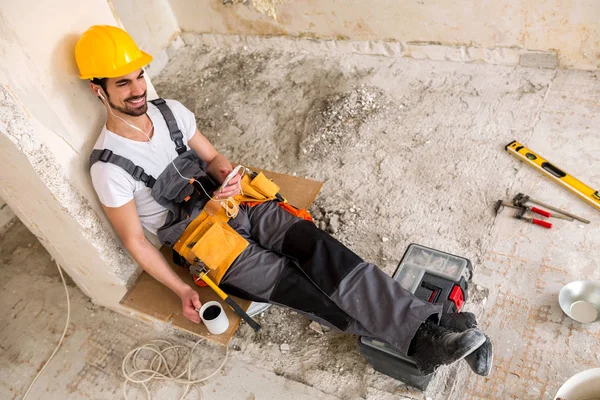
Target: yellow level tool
586,193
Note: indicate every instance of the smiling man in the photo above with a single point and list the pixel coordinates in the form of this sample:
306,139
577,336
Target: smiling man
135,105
136,130
148,166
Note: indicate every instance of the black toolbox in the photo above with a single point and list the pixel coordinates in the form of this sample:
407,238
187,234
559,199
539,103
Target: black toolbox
434,276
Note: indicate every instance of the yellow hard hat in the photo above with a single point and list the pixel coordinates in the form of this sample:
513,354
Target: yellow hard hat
105,51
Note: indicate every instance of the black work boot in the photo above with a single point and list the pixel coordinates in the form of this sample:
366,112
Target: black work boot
435,345
480,360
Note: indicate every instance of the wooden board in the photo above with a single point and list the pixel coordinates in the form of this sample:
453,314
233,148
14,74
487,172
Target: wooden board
149,297
299,192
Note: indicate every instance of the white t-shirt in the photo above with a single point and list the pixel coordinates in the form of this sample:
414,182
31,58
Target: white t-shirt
116,187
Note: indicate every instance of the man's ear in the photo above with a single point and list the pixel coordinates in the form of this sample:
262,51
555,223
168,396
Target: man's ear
96,89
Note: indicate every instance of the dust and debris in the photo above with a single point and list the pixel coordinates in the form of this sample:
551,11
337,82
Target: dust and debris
342,223
315,326
267,7
390,140
338,121
478,294
528,87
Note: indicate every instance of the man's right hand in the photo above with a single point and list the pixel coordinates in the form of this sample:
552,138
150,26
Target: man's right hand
127,224
190,302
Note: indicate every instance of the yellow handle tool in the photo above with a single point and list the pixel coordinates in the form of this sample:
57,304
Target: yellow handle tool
583,191
238,310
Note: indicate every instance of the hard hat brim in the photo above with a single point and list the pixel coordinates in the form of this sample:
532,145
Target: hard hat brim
144,60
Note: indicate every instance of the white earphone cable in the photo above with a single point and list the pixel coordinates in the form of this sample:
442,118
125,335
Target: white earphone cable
230,206
122,119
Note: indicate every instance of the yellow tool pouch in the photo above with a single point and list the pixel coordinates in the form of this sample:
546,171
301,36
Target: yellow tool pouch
210,239
264,185
257,190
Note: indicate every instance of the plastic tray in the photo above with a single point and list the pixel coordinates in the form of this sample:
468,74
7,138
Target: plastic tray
433,261
409,276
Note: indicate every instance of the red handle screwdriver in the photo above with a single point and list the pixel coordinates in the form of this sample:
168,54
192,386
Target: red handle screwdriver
521,215
543,213
539,222
548,214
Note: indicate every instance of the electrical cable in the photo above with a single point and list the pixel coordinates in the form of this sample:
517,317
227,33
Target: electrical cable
61,338
152,371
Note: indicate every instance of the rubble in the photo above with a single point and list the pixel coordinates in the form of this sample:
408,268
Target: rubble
338,121
315,326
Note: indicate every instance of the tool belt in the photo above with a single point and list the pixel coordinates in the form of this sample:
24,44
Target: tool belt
210,241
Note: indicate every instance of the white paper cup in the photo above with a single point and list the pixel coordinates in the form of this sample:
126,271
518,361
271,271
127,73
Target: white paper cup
214,317
582,386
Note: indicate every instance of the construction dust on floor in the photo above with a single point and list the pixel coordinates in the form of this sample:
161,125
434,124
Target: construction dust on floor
410,152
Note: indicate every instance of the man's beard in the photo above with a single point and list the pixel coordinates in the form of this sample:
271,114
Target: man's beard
134,112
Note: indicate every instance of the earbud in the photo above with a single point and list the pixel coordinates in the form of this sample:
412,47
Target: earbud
99,94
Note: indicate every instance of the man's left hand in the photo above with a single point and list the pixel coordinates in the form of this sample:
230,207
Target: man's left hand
232,188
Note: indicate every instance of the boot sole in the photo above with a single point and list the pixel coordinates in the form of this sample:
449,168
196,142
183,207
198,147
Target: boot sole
459,354
489,364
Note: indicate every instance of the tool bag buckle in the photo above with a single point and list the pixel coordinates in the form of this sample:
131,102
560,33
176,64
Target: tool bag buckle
106,154
137,173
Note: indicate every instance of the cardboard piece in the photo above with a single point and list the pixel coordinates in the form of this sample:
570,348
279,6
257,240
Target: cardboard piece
299,192
149,297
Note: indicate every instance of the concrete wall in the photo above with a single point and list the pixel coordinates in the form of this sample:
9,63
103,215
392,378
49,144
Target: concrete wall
49,120
6,214
569,27
153,26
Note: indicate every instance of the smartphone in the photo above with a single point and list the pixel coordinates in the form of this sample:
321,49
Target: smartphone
231,175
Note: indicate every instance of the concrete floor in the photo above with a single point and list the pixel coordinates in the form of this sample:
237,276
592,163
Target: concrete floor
519,267
88,366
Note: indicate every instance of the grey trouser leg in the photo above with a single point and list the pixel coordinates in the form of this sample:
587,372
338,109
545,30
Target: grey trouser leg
293,263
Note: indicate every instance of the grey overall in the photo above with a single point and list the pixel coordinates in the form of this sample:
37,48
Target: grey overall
289,261
293,263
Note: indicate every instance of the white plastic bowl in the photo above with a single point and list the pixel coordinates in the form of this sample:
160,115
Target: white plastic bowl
582,386
580,300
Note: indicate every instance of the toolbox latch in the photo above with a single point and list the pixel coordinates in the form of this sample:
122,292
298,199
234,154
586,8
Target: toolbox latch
457,297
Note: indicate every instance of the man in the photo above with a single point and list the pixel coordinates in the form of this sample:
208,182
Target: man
143,164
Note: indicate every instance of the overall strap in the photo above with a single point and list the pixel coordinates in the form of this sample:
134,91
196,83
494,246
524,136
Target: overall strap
176,135
137,172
